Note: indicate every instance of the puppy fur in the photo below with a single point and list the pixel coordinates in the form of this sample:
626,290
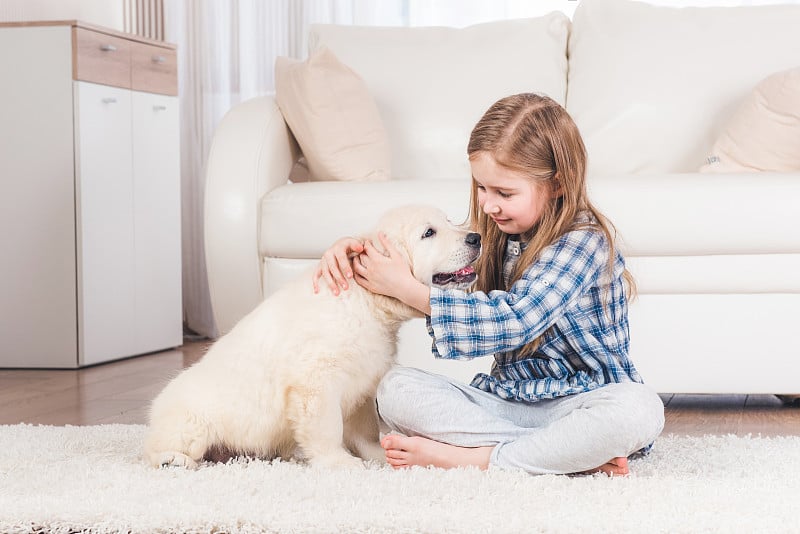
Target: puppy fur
297,376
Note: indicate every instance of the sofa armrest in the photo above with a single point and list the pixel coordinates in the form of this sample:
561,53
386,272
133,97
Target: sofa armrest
252,152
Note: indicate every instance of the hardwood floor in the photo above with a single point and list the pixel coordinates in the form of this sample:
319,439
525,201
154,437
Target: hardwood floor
115,392
120,392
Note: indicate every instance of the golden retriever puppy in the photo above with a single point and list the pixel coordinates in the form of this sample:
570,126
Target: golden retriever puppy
297,376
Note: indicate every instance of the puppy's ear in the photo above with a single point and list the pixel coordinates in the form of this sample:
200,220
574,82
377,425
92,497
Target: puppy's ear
398,243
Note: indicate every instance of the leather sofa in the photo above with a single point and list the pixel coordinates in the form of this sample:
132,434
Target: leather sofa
716,256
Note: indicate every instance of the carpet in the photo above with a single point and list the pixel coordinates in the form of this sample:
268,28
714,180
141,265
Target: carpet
93,479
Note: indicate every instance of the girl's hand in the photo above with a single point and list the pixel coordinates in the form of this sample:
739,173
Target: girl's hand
335,266
387,273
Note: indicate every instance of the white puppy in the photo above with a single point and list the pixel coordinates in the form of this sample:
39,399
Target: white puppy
301,370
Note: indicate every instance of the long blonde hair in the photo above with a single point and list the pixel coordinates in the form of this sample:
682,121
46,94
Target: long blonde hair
532,134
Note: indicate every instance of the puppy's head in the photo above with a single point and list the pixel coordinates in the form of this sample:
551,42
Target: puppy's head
439,252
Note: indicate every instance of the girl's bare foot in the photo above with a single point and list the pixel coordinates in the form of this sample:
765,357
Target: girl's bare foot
614,467
403,451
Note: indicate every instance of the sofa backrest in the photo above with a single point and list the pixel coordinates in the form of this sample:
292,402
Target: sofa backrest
432,84
651,87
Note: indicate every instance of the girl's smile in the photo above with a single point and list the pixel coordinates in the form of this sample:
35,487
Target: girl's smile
499,221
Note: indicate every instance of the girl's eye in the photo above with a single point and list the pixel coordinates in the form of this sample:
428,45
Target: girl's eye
430,232
481,188
504,195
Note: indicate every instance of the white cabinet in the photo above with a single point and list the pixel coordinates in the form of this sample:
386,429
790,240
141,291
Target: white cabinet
90,201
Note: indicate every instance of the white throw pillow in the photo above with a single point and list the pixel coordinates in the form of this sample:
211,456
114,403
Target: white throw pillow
432,84
764,133
333,117
650,86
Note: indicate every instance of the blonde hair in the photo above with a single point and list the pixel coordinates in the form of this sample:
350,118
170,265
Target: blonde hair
532,134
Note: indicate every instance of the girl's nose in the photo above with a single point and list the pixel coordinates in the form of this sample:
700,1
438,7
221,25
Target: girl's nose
490,207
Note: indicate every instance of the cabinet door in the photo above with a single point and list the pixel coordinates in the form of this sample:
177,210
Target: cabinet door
157,202
105,222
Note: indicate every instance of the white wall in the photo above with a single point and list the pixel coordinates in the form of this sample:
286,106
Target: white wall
107,13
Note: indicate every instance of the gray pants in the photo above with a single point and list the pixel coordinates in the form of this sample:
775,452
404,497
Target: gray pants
564,435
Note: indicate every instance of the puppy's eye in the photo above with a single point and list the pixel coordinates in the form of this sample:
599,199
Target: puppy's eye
430,232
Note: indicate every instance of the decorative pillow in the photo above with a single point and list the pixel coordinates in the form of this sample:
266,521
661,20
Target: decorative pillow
764,133
333,117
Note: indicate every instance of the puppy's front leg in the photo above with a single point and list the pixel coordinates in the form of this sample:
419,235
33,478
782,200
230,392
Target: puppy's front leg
316,415
362,433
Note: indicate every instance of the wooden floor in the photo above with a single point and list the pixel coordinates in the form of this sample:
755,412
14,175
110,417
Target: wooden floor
120,392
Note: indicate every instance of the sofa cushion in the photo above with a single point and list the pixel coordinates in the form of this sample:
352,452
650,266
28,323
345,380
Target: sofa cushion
715,274
690,239
651,87
348,209
432,84
698,214
333,117
656,215
764,133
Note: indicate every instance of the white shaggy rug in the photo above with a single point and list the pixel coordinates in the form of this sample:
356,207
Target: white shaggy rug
93,479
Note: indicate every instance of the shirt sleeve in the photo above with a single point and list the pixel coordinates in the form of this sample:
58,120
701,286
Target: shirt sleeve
469,325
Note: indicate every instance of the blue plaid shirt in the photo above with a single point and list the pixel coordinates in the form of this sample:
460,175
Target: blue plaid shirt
561,297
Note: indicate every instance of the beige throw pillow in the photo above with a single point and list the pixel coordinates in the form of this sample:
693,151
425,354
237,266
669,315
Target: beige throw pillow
764,133
333,117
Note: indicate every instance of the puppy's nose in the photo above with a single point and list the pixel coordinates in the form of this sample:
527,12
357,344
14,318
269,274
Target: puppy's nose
473,239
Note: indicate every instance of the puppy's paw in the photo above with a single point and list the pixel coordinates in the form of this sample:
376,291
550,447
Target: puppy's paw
372,452
337,461
173,459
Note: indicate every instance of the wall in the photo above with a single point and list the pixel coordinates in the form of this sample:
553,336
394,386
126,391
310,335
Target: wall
108,13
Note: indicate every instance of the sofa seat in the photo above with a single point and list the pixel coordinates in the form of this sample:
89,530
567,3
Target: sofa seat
687,232
675,214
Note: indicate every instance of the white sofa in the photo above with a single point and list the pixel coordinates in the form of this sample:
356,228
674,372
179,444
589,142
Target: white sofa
716,256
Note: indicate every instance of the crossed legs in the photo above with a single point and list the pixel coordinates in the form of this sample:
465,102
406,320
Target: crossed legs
447,424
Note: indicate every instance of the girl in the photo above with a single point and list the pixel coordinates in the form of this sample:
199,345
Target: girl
550,304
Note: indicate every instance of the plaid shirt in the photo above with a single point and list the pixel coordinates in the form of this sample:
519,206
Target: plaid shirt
560,297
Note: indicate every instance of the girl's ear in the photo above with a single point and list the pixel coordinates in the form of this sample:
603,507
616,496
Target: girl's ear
557,187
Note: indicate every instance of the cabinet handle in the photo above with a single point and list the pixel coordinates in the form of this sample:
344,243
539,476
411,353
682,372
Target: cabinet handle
108,48
159,108
159,59
109,100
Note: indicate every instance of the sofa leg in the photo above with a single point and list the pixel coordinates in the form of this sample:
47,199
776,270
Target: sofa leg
789,400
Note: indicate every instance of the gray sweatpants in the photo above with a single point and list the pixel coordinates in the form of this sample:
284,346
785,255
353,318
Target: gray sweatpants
563,435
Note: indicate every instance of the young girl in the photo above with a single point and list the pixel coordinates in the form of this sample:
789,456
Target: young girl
550,304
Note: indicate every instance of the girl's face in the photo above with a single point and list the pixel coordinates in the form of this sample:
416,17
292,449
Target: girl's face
513,200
